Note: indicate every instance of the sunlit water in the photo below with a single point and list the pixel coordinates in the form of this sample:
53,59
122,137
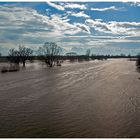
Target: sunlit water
89,99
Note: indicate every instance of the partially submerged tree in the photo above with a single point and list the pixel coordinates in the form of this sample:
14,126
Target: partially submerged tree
87,54
20,55
14,56
50,52
24,54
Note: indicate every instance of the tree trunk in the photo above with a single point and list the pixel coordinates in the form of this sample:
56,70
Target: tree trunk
51,64
23,63
17,63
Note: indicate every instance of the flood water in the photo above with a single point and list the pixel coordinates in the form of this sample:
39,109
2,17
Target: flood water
89,99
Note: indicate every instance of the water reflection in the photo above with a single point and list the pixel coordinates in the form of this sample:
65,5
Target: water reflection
138,64
138,68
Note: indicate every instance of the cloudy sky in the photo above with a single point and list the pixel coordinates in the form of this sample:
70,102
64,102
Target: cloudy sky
104,27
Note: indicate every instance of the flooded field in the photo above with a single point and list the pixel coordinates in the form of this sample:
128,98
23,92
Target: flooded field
89,99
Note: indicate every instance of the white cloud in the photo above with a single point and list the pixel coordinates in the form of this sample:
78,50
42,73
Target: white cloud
59,7
135,4
79,14
114,27
63,26
75,6
98,25
105,9
83,27
26,26
125,24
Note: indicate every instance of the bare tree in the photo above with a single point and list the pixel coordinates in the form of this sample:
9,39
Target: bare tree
88,52
14,56
20,55
40,51
24,54
50,51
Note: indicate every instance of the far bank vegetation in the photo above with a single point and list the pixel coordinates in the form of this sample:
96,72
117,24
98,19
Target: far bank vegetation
51,54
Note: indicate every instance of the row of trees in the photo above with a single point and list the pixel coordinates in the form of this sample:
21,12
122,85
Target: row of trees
48,52
20,55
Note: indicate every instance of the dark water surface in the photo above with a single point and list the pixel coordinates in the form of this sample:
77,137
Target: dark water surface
95,99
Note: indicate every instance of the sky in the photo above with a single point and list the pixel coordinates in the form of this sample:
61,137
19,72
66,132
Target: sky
104,27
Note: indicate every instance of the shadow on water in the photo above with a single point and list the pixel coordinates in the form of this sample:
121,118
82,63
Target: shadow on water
138,66
138,70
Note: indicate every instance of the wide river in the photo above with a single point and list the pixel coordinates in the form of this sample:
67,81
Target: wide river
89,99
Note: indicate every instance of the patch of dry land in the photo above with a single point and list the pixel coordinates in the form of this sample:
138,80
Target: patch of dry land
89,99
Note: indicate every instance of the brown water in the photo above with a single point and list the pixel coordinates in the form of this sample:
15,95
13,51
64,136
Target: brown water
95,99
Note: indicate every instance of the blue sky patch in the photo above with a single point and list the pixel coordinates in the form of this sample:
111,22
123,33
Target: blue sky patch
104,27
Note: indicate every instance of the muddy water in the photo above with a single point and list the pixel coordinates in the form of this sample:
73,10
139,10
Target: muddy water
95,99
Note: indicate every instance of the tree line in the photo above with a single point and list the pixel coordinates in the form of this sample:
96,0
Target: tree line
47,52
50,54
